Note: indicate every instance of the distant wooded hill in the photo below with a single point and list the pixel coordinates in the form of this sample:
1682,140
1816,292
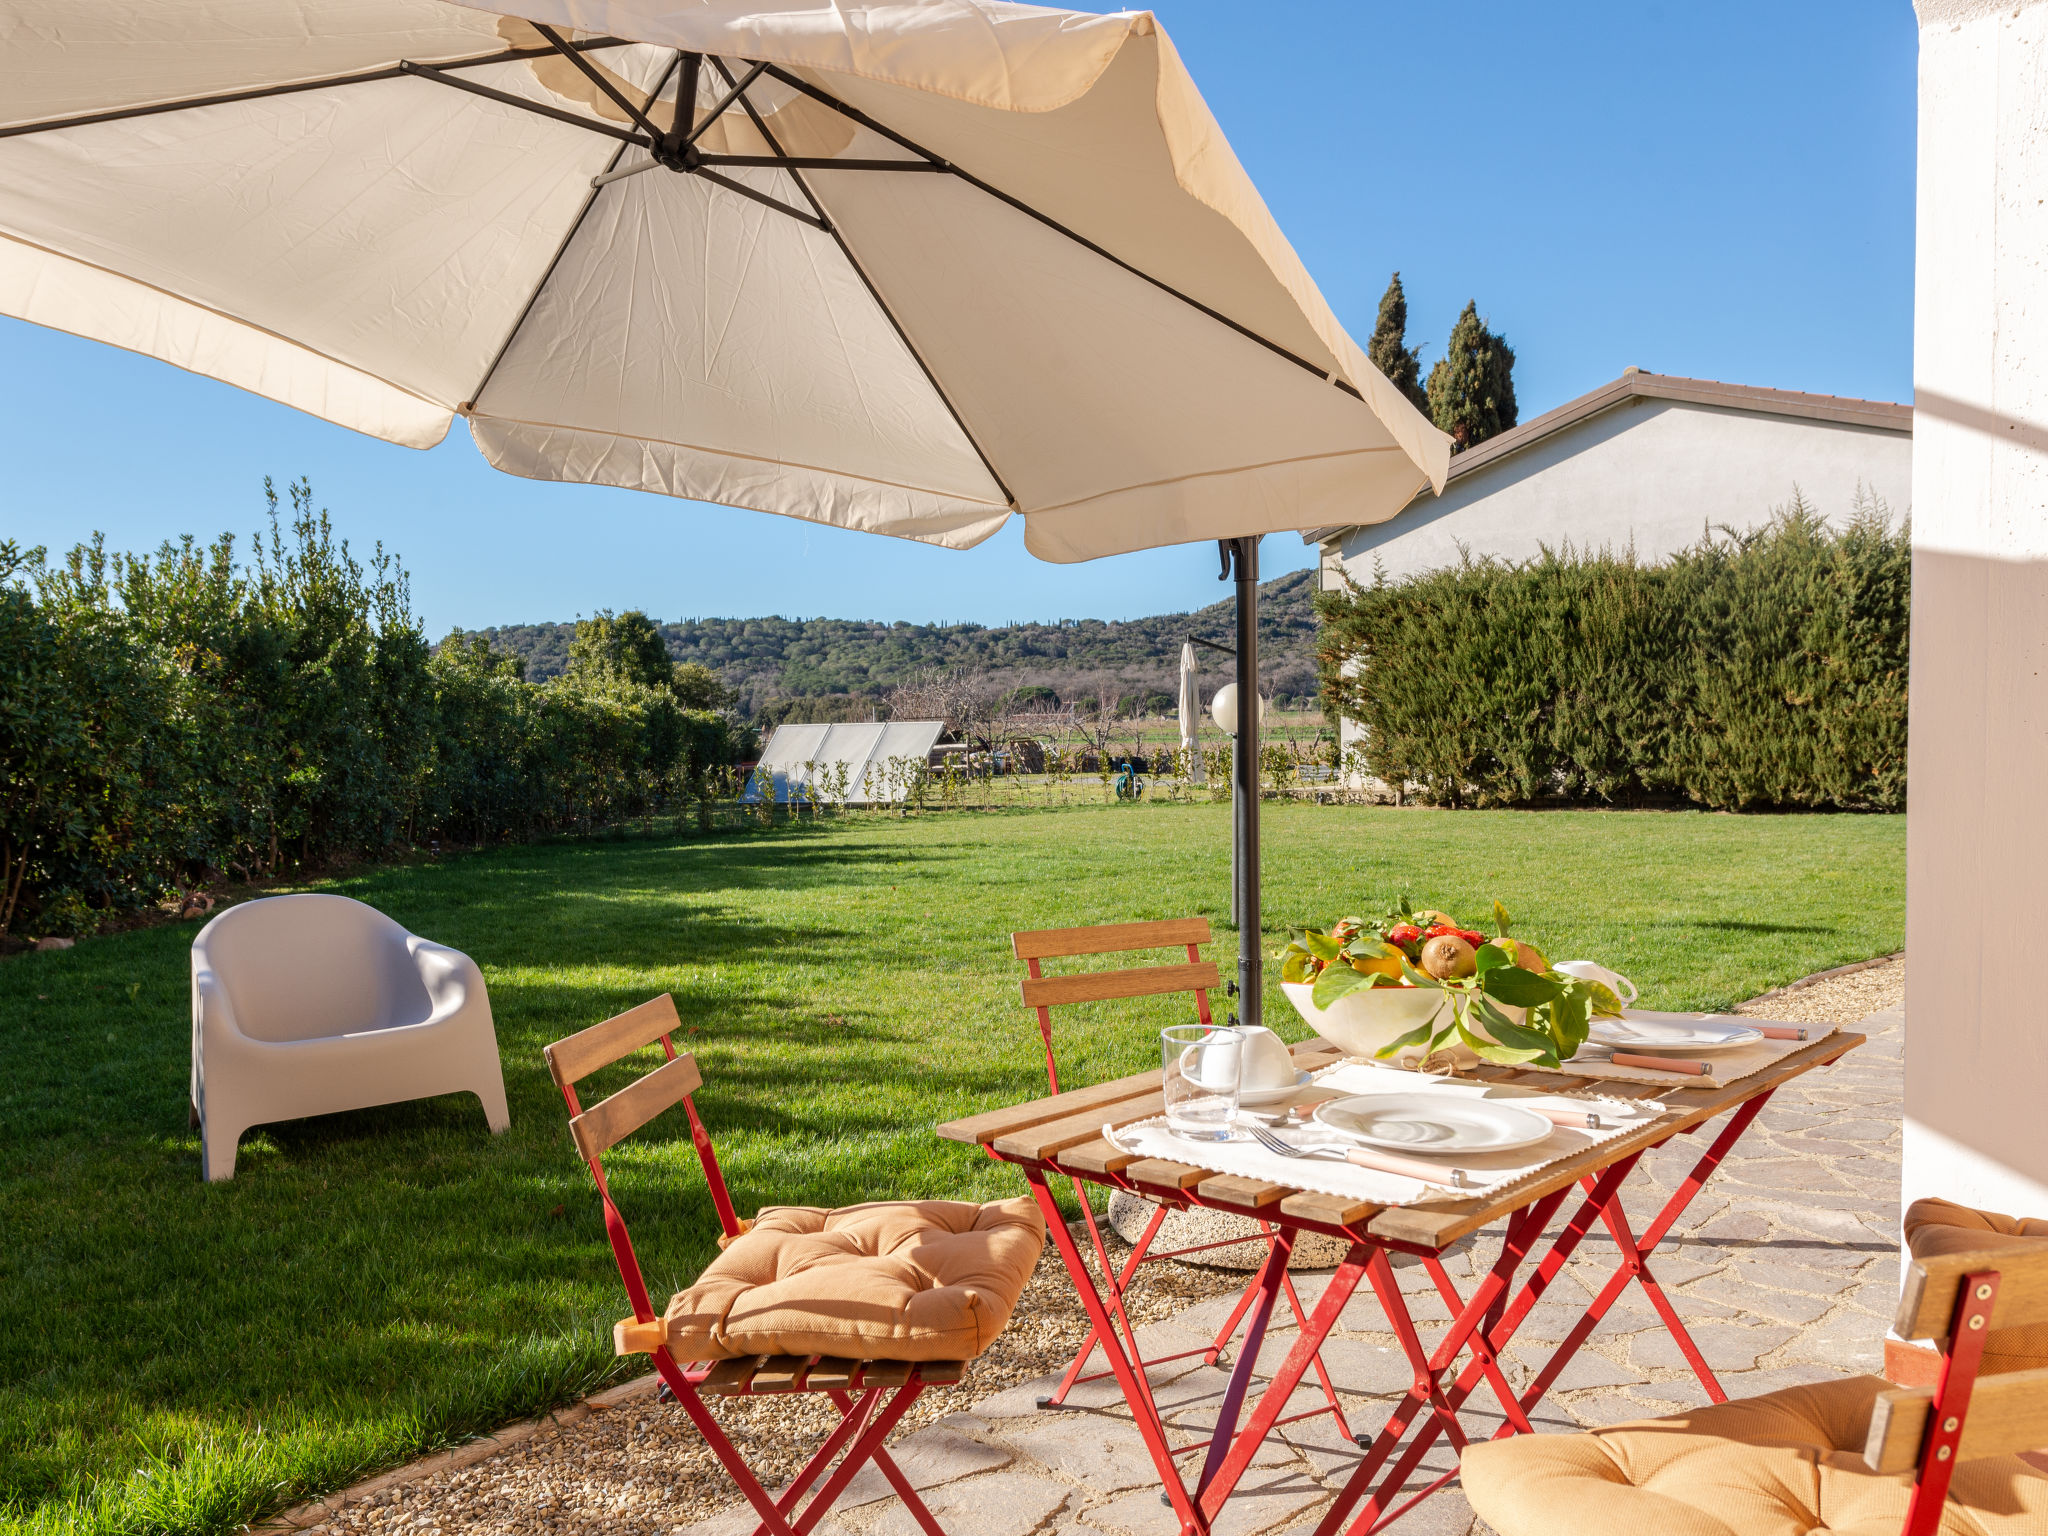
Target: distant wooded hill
789,668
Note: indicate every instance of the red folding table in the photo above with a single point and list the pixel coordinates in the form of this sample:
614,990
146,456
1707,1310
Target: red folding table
1061,1137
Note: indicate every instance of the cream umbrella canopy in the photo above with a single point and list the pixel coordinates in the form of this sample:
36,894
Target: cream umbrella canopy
912,268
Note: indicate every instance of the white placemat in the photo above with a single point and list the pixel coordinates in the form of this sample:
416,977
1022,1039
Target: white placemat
1492,1173
1723,1067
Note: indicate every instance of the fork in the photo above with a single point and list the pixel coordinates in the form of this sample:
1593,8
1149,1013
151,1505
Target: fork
1382,1162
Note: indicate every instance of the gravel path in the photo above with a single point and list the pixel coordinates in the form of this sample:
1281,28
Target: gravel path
1816,1190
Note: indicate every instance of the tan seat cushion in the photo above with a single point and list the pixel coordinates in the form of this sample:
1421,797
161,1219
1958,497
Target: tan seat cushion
1783,1464
1936,1227
895,1280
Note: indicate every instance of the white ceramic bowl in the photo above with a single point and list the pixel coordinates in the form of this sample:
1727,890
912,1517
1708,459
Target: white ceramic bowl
1363,1020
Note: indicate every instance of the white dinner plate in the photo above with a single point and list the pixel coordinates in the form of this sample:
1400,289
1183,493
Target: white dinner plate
1685,1036
1432,1122
1253,1097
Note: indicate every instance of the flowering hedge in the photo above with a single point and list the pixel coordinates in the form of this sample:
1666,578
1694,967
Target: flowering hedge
166,719
1758,671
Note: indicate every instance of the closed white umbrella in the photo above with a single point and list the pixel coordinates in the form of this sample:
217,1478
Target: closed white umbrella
911,268
1191,714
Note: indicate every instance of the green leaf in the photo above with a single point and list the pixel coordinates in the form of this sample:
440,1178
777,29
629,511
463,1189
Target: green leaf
1570,1020
1605,1003
1294,964
1503,1055
1419,1035
1491,955
1519,988
1319,944
1500,919
1419,978
1518,1036
1370,946
1336,980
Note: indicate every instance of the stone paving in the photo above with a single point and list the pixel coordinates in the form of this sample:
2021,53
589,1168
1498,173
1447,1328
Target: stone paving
1785,1269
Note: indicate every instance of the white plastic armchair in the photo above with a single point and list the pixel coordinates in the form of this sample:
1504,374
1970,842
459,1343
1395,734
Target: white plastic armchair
312,1004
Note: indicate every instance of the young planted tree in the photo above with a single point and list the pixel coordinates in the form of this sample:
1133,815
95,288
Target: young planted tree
1472,389
1389,349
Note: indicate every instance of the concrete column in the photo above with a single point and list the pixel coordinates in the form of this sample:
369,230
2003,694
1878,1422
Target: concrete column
1977,835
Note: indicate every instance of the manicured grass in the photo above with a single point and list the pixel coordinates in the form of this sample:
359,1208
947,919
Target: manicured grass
177,1358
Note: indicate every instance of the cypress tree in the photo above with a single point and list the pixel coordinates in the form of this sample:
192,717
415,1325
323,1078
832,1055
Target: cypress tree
1472,390
1389,349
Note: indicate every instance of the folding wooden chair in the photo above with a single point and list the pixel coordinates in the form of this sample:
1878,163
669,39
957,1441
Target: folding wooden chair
1756,1464
872,1394
1195,975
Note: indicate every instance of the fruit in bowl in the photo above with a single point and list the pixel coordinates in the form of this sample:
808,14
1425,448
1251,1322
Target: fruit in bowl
1417,981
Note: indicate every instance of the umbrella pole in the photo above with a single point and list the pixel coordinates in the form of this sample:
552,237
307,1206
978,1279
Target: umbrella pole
1244,787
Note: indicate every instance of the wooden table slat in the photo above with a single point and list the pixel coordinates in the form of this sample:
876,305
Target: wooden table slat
1232,1189
1161,1174
1097,1156
987,1127
1338,1210
1041,1141
1309,1055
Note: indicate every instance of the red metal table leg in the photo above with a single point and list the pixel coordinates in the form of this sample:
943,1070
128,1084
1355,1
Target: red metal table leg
1266,1412
1524,1227
1604,1200
1137,1391
1271,1277
1123,1279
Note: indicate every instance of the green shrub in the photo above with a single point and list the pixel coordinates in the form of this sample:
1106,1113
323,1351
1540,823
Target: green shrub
172,717
1752,671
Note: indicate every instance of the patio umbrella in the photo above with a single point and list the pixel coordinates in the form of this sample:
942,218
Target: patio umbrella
913,269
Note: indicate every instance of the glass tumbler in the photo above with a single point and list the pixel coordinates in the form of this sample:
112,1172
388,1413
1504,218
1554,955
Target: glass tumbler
1201,1065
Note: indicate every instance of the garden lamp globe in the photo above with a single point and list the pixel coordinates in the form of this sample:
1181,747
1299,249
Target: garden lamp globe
1223,708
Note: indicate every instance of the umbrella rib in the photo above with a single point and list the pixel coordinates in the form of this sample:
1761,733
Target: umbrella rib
428,72
258,93
561,250
858,116
726,101
761,197
596,77
761,127
821,163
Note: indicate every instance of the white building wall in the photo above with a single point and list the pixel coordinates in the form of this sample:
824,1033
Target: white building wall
1650,472
1977,836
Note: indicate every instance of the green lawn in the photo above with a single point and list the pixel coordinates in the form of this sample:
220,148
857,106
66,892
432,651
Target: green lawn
177,1358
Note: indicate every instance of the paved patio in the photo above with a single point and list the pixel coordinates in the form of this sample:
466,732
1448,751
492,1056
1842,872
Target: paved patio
1785,1268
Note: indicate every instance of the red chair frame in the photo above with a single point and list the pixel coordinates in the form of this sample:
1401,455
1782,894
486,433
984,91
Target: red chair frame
872,1396
1197,975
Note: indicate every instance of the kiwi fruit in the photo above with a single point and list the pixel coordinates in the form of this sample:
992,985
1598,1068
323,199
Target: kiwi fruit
1449,958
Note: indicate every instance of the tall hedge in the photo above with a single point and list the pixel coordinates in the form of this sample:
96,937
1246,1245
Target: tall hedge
169,719
1756,671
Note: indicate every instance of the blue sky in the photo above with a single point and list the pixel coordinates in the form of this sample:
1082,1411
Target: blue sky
1722,191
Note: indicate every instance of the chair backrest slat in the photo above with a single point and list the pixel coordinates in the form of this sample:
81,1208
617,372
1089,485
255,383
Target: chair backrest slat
1109,938
1927,1302
1100,986
602,1125
2008,1413
576,1057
